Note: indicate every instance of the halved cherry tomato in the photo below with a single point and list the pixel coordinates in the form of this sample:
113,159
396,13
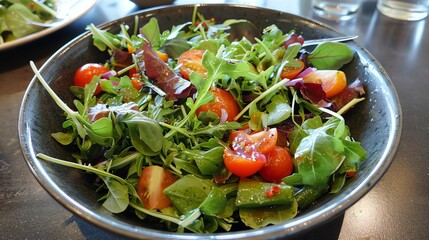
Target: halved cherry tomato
132,72
135,78
333,81
279,165
263,141
292,72
192,61
136,84
243,165
152,182
85,74
223,103
246,156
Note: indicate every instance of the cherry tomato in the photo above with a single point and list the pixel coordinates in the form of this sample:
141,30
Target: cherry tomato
243,165
135,78
132,72
85,74
152,182
223,102
279,165
246,156
333,81
292,72
192,61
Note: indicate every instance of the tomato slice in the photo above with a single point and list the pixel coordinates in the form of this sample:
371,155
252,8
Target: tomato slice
292,72
223,103
152,182
279,165
86,72
192,61
333,81
243,165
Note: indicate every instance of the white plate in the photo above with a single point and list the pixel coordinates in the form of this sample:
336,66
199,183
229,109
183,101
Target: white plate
76,10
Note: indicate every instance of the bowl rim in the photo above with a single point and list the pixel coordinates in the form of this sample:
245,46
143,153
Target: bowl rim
286,229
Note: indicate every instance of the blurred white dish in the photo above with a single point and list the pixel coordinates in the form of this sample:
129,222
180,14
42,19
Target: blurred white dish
78,9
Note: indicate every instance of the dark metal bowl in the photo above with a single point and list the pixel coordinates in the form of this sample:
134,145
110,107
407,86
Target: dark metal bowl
376,123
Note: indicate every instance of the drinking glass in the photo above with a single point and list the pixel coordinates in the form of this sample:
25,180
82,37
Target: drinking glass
410,10
336,9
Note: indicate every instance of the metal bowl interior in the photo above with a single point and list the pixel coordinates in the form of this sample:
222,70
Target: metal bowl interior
376,123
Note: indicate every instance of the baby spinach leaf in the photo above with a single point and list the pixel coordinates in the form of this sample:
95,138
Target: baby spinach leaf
207,161
215,202
152,33
176,46
117,200
146,134
188,192
63,138
278,111
103,127
261,217
330,55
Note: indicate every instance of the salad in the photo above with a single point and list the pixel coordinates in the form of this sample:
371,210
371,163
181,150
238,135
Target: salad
15,15
204,133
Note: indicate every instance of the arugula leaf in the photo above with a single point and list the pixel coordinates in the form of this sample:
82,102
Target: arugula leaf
104,39
330,55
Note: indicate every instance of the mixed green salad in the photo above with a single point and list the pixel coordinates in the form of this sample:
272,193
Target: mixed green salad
204,133
15,15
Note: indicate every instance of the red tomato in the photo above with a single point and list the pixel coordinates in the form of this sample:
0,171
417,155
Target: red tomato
246,156
292,72
279,165
243,165
333,81
152,182
223,100
263,141
192,61
85,74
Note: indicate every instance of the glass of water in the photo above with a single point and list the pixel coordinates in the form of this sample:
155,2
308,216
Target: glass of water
336,9
410,10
